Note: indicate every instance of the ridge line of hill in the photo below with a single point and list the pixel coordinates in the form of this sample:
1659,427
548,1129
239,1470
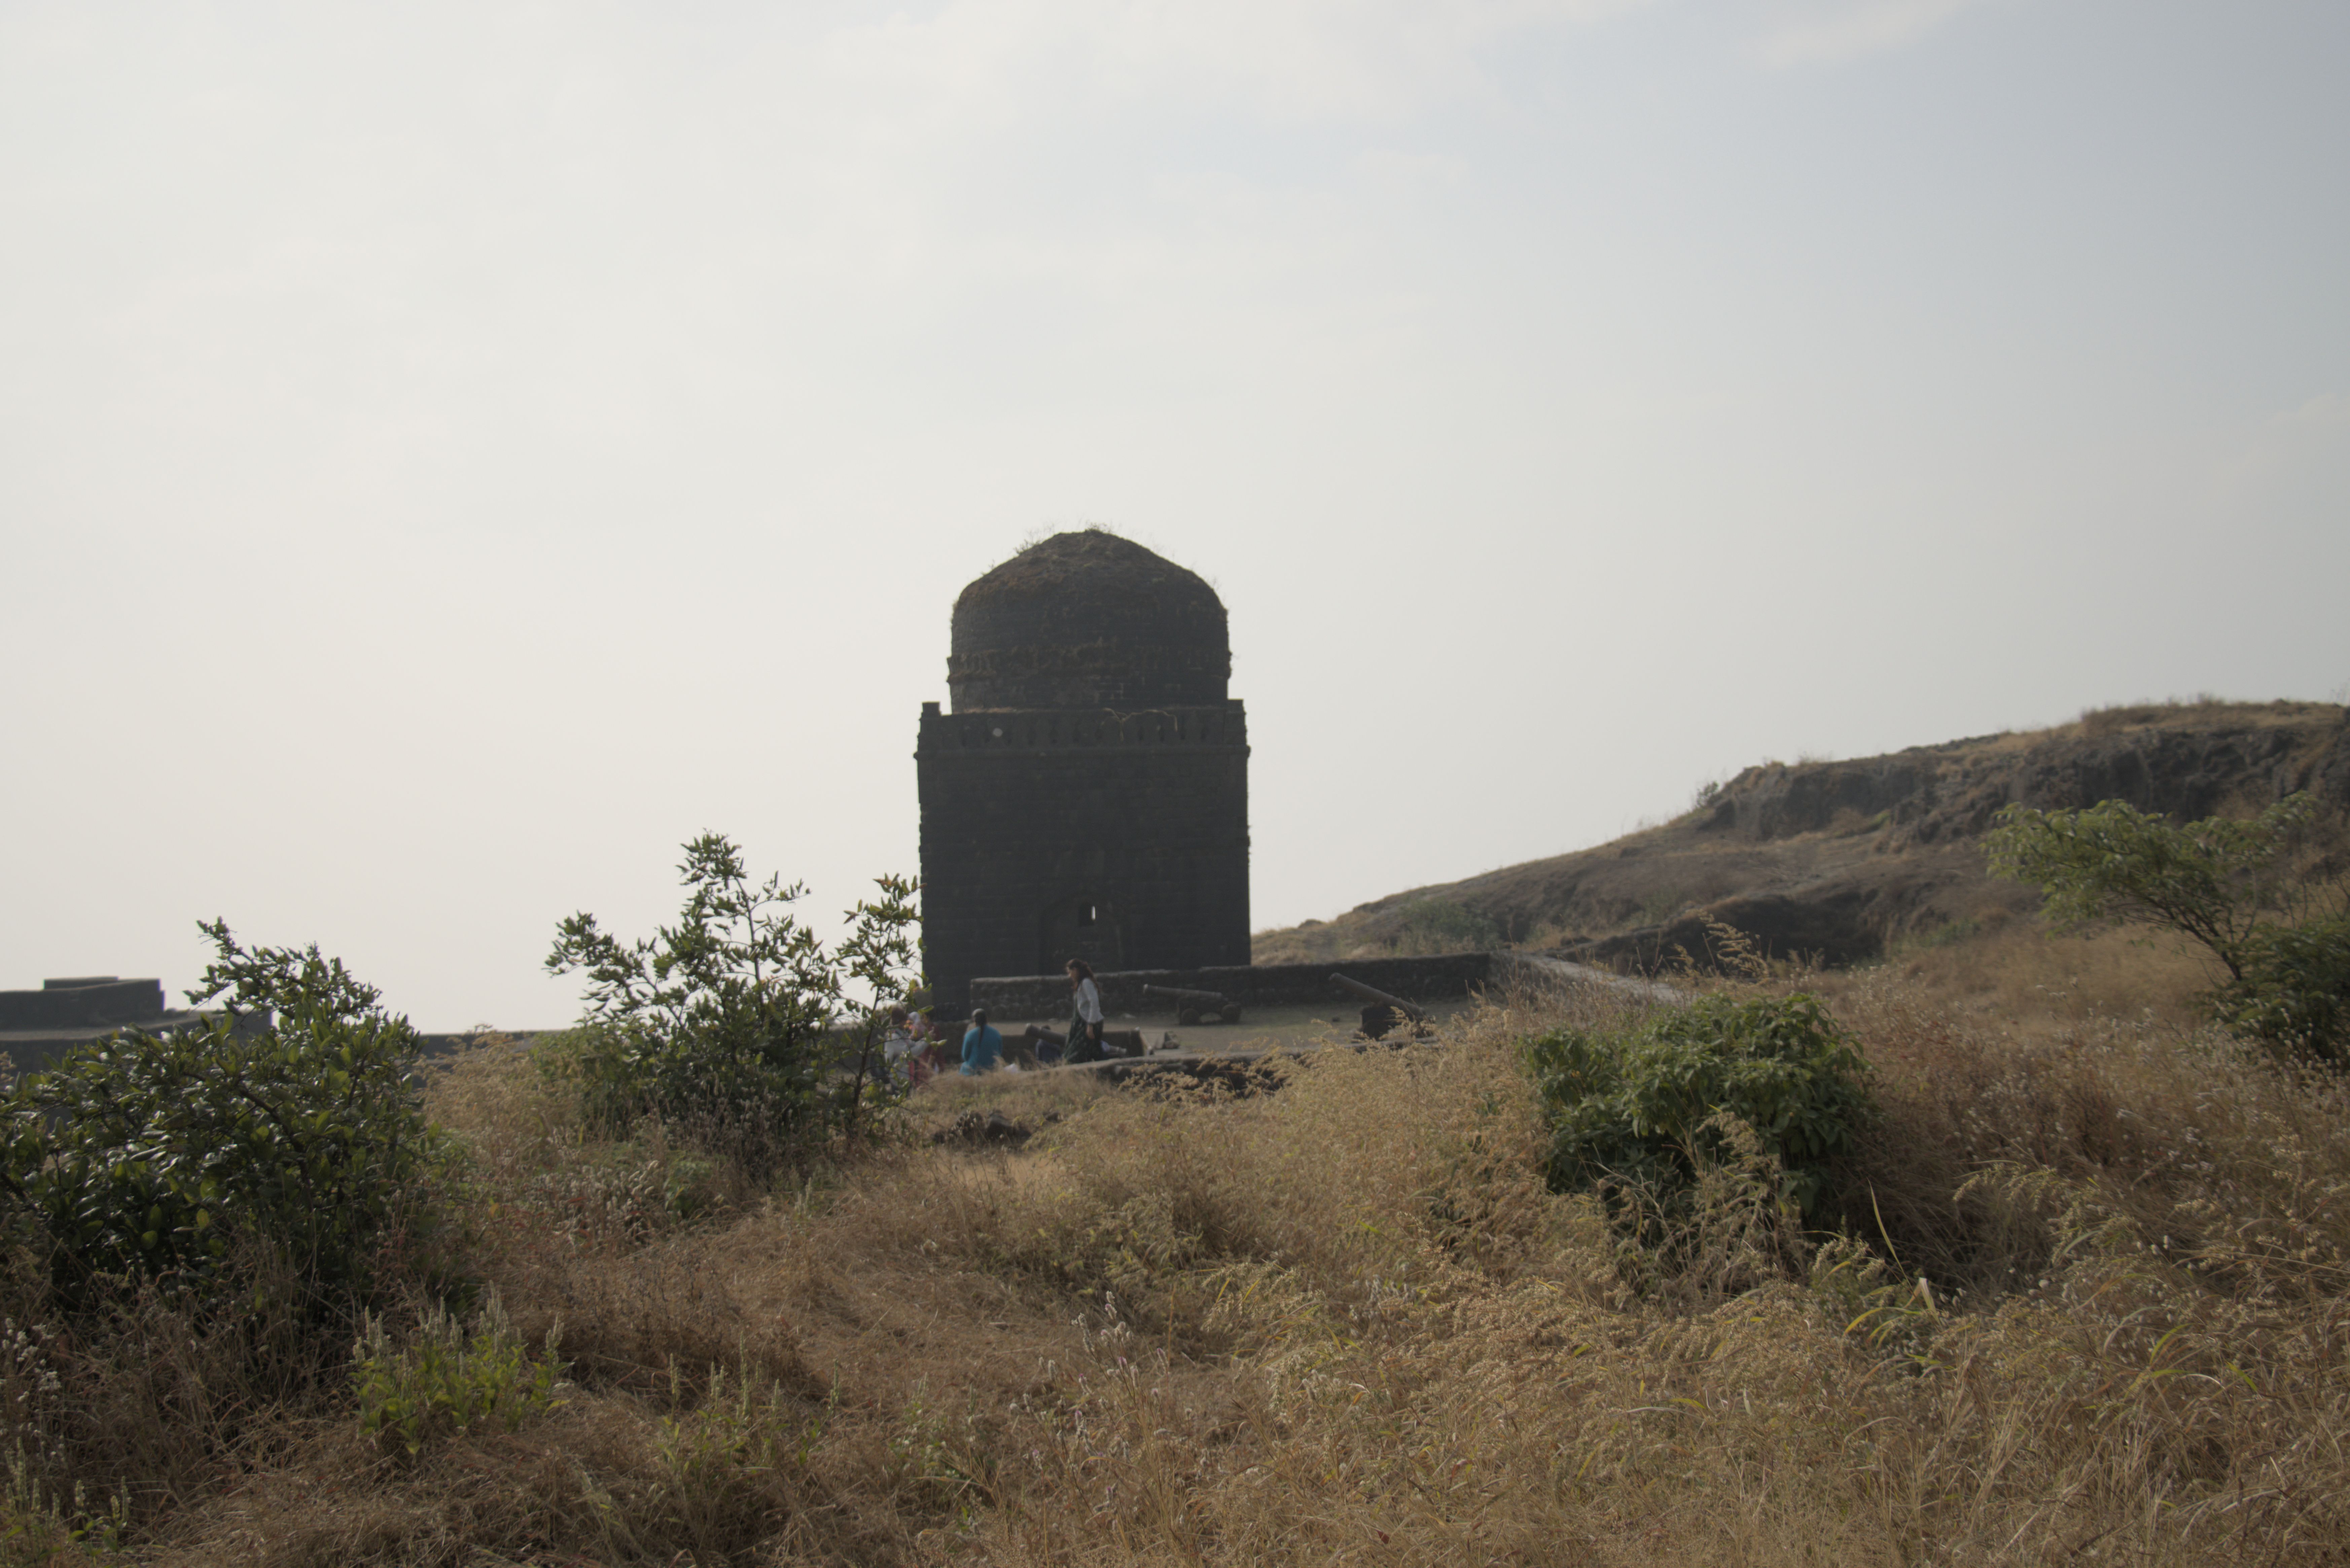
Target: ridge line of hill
1836,860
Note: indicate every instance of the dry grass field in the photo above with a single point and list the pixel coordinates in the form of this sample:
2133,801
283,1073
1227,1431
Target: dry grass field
2092,1304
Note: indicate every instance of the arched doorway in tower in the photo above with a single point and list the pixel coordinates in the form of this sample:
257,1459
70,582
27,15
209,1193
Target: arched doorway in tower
1083,926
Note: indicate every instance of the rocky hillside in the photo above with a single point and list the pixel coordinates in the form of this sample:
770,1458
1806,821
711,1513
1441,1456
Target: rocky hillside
1840,858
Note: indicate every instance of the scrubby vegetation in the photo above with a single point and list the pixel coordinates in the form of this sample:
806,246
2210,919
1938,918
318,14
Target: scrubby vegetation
1410,925
1642,1109
2076,1291
192,1226
1443,926
2004,1250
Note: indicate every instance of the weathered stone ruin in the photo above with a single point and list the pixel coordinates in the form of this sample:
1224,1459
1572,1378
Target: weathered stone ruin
1085,793
38,1026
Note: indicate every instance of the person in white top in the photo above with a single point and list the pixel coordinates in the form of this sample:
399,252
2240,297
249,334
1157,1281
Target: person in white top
1086,1022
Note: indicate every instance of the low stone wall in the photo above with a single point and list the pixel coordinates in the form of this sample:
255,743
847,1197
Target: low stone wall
1450,976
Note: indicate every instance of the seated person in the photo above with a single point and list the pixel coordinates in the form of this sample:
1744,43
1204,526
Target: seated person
981,1044
930,1058
897,1044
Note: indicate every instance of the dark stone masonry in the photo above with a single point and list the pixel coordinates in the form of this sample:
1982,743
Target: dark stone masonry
1085,793
89,1002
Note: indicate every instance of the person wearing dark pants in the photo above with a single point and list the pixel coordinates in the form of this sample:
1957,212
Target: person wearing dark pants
1086,1014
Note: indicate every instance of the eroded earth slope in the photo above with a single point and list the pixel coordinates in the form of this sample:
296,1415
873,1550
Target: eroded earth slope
1840,858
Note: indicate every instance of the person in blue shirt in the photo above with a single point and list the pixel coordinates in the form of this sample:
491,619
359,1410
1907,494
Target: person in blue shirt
980,1045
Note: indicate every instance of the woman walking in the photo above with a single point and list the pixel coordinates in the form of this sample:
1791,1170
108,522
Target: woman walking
1086,1014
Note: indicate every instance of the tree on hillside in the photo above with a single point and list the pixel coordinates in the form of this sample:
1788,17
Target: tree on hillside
2236,888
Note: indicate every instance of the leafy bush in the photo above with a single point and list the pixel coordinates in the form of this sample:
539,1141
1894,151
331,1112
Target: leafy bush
2294,989
1638,1105
728,1025
449,1379
289,1125
2230,886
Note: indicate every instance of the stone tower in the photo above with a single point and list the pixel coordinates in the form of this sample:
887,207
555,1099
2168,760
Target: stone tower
1085,795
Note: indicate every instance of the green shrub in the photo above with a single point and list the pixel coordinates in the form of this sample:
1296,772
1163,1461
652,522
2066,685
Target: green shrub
289,1126
449,1379
1631,1107
2295,991
728,1025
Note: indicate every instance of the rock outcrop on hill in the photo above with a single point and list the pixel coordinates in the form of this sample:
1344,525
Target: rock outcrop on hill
1838,858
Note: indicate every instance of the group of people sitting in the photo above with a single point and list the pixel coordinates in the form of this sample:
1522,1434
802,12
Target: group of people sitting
916,1049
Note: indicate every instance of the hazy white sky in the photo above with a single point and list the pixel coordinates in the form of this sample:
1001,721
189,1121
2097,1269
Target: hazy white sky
451,453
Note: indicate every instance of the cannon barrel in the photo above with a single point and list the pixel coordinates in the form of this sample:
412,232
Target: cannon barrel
1373,993
1215,999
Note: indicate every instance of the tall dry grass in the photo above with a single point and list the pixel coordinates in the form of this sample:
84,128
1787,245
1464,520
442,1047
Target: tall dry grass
2092,1304
1341,1321
2016,976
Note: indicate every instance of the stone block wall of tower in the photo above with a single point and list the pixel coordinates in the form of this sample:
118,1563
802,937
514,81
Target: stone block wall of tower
1049,834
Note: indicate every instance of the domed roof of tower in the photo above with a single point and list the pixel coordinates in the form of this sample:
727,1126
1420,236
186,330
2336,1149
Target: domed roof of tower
1087,620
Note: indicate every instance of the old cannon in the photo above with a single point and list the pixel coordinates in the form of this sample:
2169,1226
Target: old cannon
1384,1012
1198,1006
